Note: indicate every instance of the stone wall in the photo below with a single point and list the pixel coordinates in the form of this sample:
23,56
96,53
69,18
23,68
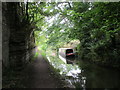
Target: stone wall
5,37
0,45
18,39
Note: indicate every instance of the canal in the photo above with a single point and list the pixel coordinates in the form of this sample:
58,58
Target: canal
83,74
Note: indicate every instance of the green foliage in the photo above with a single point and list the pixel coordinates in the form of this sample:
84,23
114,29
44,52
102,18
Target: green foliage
98,32
40,40
95,25
66,70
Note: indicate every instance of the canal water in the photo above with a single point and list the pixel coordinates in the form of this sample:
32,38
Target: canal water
82,74
99,77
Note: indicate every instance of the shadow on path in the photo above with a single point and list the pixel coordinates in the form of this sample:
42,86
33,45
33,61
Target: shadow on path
38,75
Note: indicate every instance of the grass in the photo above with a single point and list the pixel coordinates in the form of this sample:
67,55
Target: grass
63,70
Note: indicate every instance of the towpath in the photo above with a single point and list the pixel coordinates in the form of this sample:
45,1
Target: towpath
39,75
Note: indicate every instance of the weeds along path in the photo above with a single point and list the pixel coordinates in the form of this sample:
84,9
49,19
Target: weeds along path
39,75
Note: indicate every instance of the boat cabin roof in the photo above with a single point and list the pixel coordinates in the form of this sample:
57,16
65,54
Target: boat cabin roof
65,48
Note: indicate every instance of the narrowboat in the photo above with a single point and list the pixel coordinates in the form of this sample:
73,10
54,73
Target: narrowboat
66,52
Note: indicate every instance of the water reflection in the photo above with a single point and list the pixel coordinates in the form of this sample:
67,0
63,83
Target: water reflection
91,75
74,76
83,74
99,77
67,60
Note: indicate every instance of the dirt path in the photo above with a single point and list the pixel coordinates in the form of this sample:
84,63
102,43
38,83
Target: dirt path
39,75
